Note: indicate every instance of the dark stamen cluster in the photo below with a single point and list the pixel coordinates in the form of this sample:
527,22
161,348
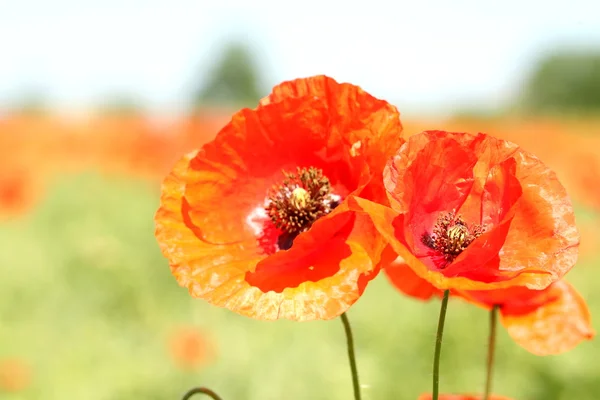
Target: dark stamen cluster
300,200
451,235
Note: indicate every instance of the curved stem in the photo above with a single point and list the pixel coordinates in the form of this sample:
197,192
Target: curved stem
491,352
351,357
201,390
438,346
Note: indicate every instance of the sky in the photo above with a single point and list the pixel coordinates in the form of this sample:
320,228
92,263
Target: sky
425,56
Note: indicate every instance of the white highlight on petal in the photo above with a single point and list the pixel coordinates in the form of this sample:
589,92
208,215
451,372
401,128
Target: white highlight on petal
255,220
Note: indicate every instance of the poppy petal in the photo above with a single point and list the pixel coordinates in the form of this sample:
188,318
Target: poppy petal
444,172
346,99
404,279
318,86
555,327
545,220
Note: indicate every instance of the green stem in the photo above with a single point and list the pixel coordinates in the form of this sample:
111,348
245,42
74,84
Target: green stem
491,352
351,357
438,346
201,390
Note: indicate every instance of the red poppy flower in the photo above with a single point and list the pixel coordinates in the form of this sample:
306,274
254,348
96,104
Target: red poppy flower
472,212
549,321
428,396
257,220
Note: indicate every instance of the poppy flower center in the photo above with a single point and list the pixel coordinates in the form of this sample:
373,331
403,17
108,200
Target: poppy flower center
451,236
295,204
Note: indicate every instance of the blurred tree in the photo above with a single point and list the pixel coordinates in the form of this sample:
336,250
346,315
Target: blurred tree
234,79
566,81
120,104
30,102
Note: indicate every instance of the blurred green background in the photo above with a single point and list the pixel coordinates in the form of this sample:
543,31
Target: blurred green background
89,302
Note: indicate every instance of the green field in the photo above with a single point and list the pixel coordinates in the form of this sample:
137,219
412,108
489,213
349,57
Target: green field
88,301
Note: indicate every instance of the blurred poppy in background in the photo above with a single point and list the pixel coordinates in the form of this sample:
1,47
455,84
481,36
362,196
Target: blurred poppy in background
190,347
20,189
257,220
15,375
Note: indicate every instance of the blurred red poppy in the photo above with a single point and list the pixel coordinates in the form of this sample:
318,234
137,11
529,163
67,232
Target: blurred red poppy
257,220
544,322
428,396
19,190
190,347
472,212
15,375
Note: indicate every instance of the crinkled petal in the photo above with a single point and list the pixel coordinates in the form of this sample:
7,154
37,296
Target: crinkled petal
317,86
443,175
367,134
554,327
545,221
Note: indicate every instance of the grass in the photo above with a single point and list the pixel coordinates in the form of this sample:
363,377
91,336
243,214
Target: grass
88,301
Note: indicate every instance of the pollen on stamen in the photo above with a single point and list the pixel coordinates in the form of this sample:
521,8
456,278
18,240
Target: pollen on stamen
451,236
294,205
301,199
